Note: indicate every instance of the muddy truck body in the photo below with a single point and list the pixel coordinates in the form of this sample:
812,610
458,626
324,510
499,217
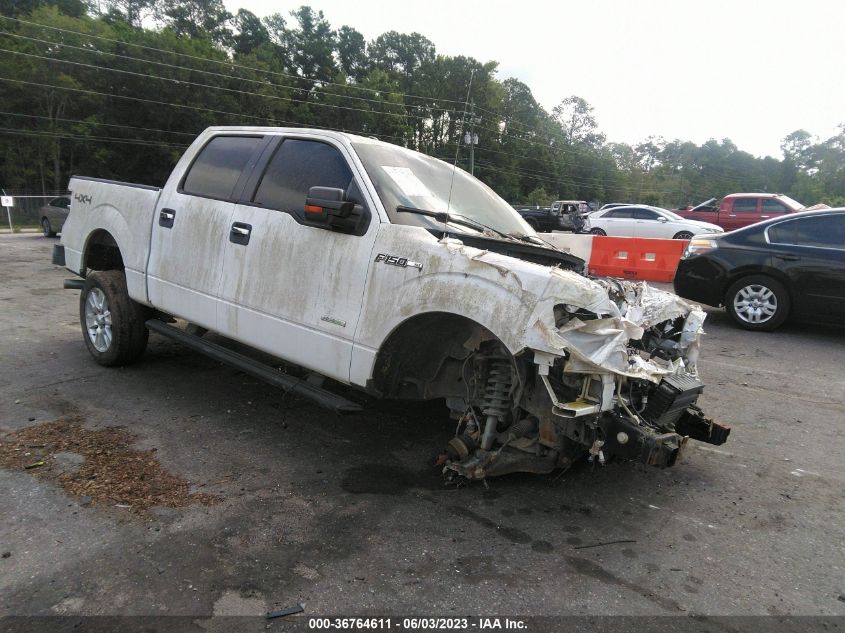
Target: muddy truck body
369,265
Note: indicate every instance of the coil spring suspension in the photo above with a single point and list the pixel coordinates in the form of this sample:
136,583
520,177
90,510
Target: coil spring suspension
496,401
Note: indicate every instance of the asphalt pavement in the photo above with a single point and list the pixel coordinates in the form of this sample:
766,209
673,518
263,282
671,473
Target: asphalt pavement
348,517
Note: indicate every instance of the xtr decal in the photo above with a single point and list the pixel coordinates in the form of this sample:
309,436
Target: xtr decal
331,319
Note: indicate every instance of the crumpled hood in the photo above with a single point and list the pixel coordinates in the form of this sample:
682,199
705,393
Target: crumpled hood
624,311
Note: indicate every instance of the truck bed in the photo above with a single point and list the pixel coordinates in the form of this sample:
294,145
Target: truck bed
123,210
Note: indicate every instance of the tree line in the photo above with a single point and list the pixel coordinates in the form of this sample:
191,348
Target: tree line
118,88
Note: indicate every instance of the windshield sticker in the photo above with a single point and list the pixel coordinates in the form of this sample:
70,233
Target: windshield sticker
407,181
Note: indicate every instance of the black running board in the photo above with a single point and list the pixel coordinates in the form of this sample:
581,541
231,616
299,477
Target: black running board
296,386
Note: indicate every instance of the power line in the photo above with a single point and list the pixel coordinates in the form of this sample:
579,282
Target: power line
231,63
104,139
97,124
184,106
221,75
201,85
563,180
316,103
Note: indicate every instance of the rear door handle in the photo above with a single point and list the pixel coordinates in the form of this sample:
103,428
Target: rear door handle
788,257
166,218
239,233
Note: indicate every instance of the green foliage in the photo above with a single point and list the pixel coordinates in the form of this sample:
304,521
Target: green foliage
119,90
539,197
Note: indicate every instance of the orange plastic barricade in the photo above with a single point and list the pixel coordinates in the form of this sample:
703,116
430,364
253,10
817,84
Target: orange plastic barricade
635,258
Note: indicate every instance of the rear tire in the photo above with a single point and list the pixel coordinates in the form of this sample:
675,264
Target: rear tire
597,232
683,235
47,228
112,323
758,303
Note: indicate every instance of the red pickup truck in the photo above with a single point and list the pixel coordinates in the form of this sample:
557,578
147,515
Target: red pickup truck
741,209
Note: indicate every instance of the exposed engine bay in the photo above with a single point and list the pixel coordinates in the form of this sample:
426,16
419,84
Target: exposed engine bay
617,383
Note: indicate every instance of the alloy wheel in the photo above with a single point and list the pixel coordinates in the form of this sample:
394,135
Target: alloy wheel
98,320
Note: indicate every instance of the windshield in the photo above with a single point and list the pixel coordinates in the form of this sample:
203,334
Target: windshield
668,214
797,206
409,179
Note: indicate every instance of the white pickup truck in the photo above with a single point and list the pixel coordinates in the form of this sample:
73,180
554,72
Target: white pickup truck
381,268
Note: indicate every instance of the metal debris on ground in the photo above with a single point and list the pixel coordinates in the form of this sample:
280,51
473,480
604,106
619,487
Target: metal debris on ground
283,612
604,543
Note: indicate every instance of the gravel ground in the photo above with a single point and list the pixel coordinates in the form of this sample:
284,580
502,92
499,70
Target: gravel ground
347,517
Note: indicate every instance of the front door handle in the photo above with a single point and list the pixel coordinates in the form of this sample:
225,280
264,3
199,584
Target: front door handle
239,233
166,218
788,257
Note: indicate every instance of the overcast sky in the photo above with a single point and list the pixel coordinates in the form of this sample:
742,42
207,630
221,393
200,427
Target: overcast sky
744,70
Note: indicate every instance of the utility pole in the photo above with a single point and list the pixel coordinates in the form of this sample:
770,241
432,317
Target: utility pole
471,138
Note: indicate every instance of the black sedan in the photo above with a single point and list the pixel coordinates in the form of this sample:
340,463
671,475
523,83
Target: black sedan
766,272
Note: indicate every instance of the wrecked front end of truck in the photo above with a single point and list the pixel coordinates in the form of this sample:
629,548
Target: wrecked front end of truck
608,370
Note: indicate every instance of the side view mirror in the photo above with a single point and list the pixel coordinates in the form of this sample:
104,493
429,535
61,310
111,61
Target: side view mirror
328,208
662,219
323,204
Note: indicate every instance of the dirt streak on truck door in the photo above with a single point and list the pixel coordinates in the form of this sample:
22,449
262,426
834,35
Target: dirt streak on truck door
295,289
191,228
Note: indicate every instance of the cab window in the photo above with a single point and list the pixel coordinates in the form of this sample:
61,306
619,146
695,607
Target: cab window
773,206
297,166
745,205
217,168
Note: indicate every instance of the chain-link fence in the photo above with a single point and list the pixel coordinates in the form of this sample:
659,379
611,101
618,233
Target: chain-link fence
34,212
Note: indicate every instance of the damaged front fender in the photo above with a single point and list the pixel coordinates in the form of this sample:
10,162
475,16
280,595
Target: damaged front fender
598,330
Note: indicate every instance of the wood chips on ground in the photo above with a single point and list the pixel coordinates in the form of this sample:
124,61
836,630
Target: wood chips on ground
111,474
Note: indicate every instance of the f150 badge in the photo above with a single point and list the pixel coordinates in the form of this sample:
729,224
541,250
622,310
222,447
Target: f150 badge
393,260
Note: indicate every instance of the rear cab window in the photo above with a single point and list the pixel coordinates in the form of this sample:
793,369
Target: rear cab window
218,167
